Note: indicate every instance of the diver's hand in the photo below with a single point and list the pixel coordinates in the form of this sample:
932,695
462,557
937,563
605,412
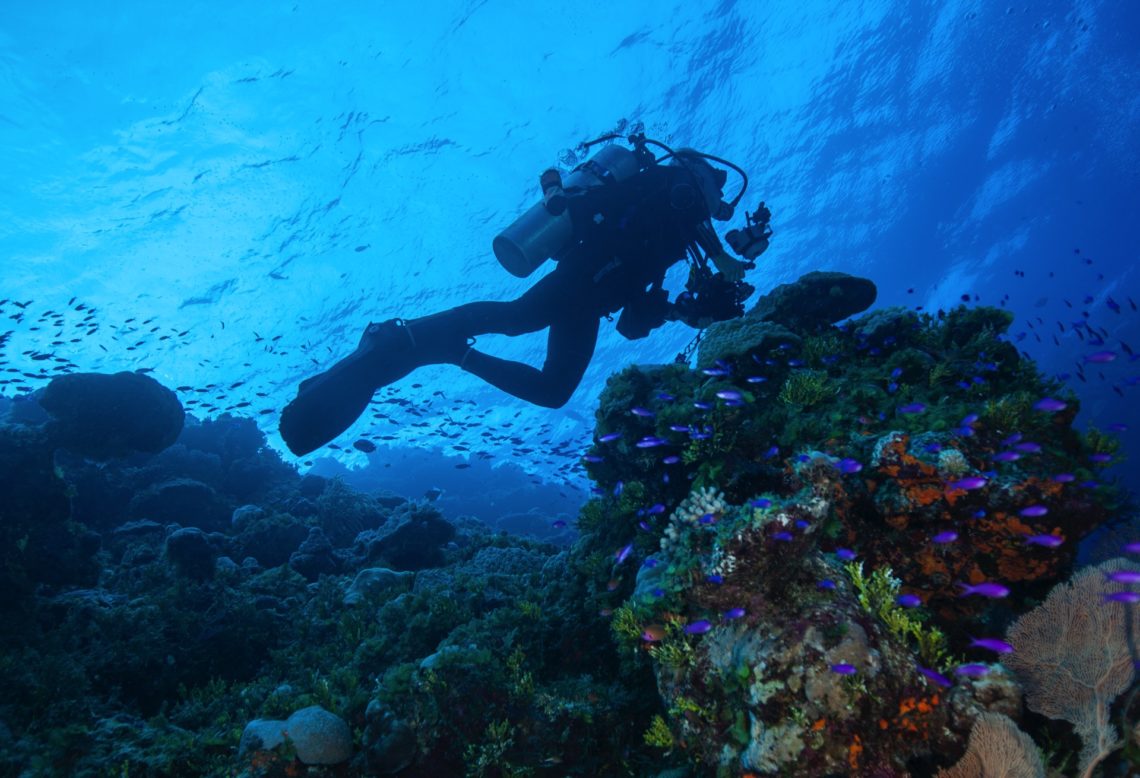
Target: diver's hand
731,269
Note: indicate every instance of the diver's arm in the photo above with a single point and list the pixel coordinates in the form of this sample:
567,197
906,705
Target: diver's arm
731,269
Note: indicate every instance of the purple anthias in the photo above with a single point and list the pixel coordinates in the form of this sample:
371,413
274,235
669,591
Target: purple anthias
843,669
972,670
1048,541
1049,404
912,408
644,413
609,437
993,644
698,627
1034,511
949,536
985,589
909,600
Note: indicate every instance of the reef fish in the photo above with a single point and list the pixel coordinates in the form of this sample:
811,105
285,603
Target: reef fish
985,589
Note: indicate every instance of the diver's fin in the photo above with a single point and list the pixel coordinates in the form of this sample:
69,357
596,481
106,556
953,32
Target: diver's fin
328,403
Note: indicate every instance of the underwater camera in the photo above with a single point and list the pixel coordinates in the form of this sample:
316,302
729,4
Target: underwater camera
752,241
710,298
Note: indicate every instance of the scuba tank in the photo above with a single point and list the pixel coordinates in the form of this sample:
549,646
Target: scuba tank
545,230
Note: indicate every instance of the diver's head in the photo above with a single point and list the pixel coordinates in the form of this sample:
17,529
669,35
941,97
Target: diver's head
711,181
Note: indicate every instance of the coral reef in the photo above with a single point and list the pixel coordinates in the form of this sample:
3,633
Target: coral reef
796,560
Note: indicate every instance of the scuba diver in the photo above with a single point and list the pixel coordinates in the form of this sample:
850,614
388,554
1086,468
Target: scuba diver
615,226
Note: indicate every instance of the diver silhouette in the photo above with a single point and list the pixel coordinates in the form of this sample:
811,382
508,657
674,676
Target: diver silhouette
619,222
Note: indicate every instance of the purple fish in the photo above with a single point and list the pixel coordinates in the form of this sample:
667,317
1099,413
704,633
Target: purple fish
972,670
658,592
845,554
678,428
1131,548
782,535
643,526
985,589
932,448
715,371
1101,357
1117,427
1048,541
644,413
761,503
848,466
1049,404
971,482
826,584
729,394
651,441
733,613
1131,597
618,488
650,562
1007,456
971,419
756,379
949,536
1064,478
993,644
912,408
671,460
938,678
1100,458
622,554
1033,511
980,513
665,397
593,458
708,518
698,627
801,524
655,509
1123,576
773,451
1029,448
701,405
896,372
713,578
909,600
1012,439
558,524
609,437
843,669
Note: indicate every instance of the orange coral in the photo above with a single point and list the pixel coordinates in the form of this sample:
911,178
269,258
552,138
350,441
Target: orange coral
854,751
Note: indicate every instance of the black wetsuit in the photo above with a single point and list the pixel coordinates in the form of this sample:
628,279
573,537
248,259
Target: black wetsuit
629,234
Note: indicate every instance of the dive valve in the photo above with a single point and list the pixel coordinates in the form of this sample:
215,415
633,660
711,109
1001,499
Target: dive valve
545,229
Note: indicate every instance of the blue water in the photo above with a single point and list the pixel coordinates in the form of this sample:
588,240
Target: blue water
238,189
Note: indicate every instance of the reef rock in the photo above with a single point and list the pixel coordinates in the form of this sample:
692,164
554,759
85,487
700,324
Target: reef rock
371,580
315,556
735,338
815,300
317,736
101,415
191,553
409,540
389,744
185,501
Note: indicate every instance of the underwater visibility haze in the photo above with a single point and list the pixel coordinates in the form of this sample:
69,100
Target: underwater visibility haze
866,510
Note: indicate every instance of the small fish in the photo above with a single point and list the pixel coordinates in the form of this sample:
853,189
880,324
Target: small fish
1100,458
729,394
622,554
912,408
1101,357
671,460
718,372
1131,597
1048,541
1064,478
972,482
756,379
949,536
644,413
655,509
845,554
1123,576
848,466
713,578
733,613
985,589
937,677
826,584
1029,448
618,488
651,441
909,600
650,563
783,536
1131,548
1007,456
593,458
702,405
980,513
761,503
993,644
972,670
1033,511
708,518
653,633
843,669
609,437
698,627
1050,405
665,397
558,524
970,419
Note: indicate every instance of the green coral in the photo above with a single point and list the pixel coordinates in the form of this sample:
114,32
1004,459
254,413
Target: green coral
878,595
805,388
658,735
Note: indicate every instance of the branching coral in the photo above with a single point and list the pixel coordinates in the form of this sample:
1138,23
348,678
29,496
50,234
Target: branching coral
807,387
1072,653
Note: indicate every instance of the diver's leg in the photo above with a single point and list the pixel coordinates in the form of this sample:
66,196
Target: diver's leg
569,348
